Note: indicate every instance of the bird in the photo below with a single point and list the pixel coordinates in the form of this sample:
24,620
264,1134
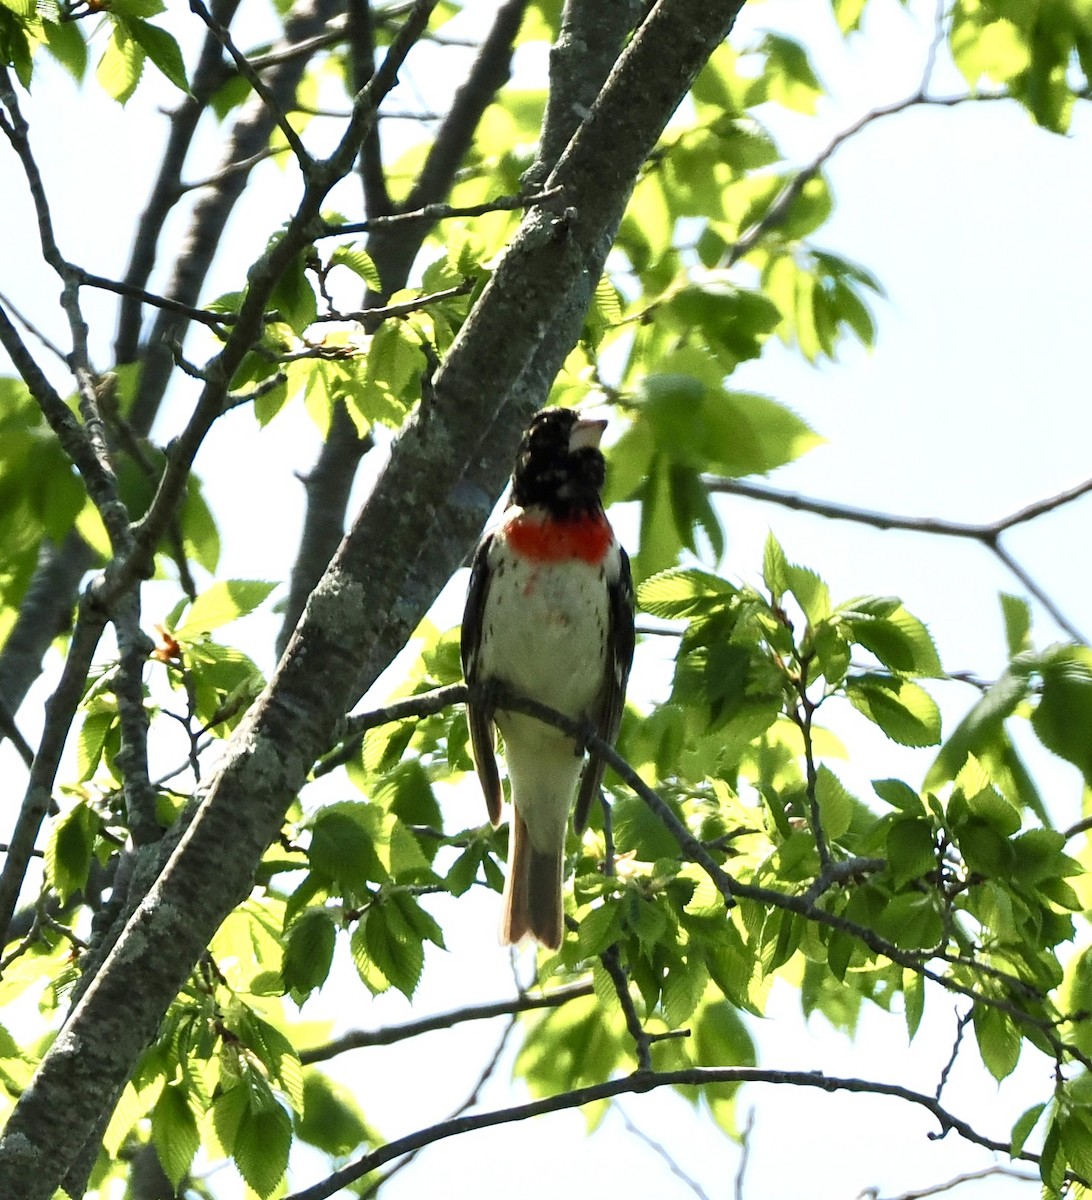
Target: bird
549,616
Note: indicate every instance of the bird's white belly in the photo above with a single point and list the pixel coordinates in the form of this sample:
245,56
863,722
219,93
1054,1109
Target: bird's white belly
546,632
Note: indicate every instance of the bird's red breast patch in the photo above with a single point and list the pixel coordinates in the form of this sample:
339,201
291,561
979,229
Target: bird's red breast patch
586,538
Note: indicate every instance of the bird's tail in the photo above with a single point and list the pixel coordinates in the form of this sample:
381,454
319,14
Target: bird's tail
532,894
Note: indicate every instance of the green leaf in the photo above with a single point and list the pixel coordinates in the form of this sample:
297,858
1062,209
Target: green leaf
836,805
70,848
905,712
980,728
121,64
999,1042
896,637
65,41
911,850
294,297
464,870
162,49
309,951
683,987
174,1133
899,795
360,263
344,845
1021,1130
331,1119
913,991
775,569
1063,716
788,76
994,49
386,947
679,593
222,603
1017,615
92,738
262,1142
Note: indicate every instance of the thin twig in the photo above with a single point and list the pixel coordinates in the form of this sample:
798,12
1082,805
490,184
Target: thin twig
60,711
391,1034
987,533
954,1182
484,1076
662,1153
223,36
439,212
370,317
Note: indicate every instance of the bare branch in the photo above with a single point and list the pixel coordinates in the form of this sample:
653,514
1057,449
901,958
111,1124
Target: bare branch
438,212
662,1153
372,317
988,533
390,1034
641,1082
60,711
255,80
956,1181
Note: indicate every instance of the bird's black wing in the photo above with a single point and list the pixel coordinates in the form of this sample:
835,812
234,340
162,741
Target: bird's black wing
607,716
478,719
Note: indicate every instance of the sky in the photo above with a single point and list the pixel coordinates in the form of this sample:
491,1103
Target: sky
969,407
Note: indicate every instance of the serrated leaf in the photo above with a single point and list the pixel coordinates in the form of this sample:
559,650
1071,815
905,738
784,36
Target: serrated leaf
65,41
331,1119
121,64
345,842
911,851
262,1141
309,951
1063,716
898,794
174,1133
70,848
905,712
1017,617
683,987
775,568
811,593
1021,1130
678,593
222,603
464,870
394,947
89,745
999,1042
360,263
980,728
913,991
163,50
836,805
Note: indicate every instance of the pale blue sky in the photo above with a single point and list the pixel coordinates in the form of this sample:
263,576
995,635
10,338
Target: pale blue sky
971,405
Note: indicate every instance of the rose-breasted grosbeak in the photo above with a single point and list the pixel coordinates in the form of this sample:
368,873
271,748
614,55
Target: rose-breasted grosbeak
549,614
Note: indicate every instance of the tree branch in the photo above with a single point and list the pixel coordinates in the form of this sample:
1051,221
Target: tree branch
638,1083
389,1035
60,711
252,77
987,533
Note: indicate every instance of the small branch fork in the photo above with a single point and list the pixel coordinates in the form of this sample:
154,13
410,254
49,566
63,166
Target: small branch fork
988,533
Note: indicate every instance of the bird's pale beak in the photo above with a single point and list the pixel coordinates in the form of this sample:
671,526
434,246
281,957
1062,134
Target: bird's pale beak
586,434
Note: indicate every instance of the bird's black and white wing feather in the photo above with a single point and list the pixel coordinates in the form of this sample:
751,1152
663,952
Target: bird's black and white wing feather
478,719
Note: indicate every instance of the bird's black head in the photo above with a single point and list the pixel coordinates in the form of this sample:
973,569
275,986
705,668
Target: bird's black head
559,465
